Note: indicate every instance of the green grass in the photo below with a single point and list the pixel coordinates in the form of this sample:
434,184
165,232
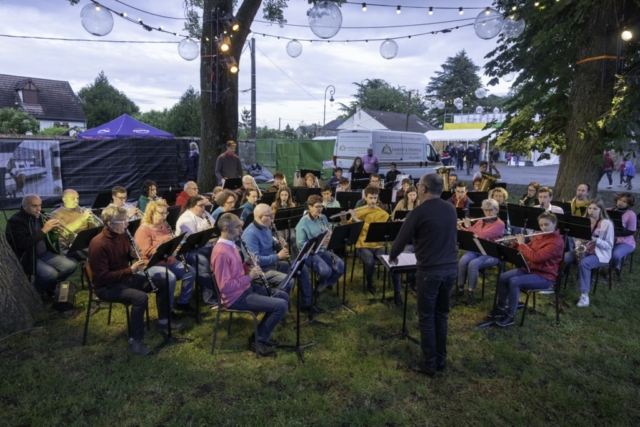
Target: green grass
585,371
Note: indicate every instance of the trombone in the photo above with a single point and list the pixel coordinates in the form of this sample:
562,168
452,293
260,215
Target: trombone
514,237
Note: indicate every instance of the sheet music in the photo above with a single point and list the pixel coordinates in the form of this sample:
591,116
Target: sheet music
403,260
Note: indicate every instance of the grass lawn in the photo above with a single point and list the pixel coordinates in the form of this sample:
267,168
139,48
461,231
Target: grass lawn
584,371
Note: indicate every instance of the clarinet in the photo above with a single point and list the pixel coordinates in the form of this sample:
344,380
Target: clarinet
136,249
274,231
256,263
333,256
181,257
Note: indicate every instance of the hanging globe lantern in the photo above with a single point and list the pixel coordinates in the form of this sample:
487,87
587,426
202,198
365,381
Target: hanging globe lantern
513,27
496,110
479,110
440,105
96,19
488,24
294,48
481,93
325,19
388,49
188,49
509,77
458,103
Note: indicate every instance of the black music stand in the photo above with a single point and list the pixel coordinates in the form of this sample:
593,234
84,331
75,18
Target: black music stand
232,183
405,263
102,200
317,243
248,221
348,199
446,195
316,173
499,184
385,196
296,267
287,223
524,216
173,215
329,212
163,252
289,212
462,213
478,196
133,226
400,215
301,194
382,232
83,239
345,235
194,242
566,207
360,176
171,196
359,184
268,198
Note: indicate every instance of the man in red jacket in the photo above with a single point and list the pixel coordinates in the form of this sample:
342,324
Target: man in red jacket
543,254
189,190
607,167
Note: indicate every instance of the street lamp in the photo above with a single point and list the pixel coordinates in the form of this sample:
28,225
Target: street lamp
333,91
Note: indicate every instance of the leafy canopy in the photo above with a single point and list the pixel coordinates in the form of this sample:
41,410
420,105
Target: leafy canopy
15,121
101,102
377,94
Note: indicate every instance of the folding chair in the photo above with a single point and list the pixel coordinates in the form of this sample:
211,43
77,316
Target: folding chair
555,289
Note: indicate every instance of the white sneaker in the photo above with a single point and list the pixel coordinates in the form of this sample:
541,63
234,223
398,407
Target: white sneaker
584,301
609,186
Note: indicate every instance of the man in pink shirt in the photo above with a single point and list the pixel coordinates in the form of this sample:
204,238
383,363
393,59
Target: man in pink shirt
370,162
236,289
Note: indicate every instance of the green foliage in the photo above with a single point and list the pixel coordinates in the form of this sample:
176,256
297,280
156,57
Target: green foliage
54,131
101,102
377,94
155,118
16,121
184,118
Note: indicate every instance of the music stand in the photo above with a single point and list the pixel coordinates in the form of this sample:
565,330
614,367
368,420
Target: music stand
268,198
329,212
133,226
248,221
171,195
289,212
345,235
162,253
566,207
360,184
348,199
194,242
446,195
478,196
498,184
173,215
405,263
232,183
379,232
360,176
385,196
400,215
462,213
83,239
296,267
102,200
314,250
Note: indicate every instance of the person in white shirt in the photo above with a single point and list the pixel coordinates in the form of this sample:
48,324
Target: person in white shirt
545,195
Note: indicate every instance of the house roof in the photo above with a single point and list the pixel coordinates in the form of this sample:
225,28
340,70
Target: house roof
333,124
56,99
398,121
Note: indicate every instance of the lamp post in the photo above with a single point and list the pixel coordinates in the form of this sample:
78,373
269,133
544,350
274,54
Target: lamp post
333,91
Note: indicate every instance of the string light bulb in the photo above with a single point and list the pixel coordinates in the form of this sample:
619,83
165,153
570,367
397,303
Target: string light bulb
97,6
487,11
626,35
461,11
124,14
364,7
514,7
430,10
398,10
536,4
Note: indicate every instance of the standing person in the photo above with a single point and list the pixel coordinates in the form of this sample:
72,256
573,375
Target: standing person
629,173
607,168
460,157
356,167
432,226
470,156
114,280
495,155
193,163
238,289
581,201
148,194
516,157
621,167
624,245
483,169
370,162
445,157
189,190
228,164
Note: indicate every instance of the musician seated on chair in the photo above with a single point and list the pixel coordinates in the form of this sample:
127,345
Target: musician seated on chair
368,252
391,176
545,195
344,185
278,182
408,202
328,201
248,203
238,290
119,196
311,181
543,255
472,262
334,181
477,182
531,196
260,241
327,265
594,253
194,219
153,232
115,280
189,189
149,193
74,218
624,244
34,240
404,186
581,201
459,197
226,201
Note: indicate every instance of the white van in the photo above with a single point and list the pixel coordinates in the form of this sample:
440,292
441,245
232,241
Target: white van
412,152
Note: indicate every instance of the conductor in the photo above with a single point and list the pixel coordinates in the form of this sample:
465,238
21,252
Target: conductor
432,227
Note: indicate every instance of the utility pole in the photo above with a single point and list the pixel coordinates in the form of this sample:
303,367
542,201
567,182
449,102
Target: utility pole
279,120
406,127
253,89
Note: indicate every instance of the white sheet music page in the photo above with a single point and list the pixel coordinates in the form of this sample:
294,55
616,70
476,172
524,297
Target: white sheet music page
403,260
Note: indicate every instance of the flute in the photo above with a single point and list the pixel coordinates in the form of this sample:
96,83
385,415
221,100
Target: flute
136,249
181,257
514,237
346,212
256,262
461,221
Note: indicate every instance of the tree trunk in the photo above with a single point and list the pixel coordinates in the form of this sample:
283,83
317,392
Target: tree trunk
220,122
589,100
19,301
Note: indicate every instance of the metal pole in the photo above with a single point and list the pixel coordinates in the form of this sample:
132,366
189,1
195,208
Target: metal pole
253,89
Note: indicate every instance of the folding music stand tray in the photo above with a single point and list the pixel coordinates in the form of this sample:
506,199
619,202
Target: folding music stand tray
194,242
328,212
296,267
385,196
268,198
400,215
359,184
248,221
566,207
287,223
477,196
348,199
382,232
102,200
462,213
133,226
524,216
344,235
317,240
289,212
171,195
83,239
405,263
360,176
232,183
163,252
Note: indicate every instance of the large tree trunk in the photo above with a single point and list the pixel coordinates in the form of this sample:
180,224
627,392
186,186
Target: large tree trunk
19,301
589,100
220,122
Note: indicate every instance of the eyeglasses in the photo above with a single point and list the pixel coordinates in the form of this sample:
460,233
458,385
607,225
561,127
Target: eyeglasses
318,206
121,198
118,222
229,202
266,216
163,213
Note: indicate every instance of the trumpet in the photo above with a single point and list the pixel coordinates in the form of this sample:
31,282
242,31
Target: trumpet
346,212
181,257
256,263
138,253
64,232
93,218
514,237
461,221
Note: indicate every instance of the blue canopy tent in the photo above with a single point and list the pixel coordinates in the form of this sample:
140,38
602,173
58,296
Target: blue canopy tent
124,126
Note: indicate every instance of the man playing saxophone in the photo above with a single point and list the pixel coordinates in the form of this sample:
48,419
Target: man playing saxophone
326,264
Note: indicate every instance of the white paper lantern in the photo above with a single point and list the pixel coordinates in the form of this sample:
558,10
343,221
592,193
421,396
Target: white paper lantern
188,49
488,24
479,110
496,110
509,77
325,19
481,93
458,103
96,19
388,49
440,105
513,27
294,48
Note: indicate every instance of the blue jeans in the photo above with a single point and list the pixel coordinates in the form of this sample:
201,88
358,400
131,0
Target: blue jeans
277,272
588,263
470,263
369,257
607,171
52,268
256,299
205,280
434,291
620,251
176,272
328,272
510,284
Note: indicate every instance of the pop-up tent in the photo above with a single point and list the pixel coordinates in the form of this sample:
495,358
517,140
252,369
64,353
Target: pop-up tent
124,126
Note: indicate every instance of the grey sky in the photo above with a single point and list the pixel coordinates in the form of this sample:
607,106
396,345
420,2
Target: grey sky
155,76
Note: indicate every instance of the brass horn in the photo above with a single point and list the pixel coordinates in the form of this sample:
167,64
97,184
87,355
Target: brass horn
487,181
444,172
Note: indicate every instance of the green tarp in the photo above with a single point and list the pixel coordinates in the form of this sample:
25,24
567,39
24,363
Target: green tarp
293,155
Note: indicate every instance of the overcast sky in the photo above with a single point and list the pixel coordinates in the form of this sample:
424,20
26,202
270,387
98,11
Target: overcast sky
154,76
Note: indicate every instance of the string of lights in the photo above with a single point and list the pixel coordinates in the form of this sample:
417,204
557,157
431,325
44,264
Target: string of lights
88,40
431,8
375,27
151,13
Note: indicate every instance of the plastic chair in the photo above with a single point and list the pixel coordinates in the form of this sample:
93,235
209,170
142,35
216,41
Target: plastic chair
555,289
221,309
